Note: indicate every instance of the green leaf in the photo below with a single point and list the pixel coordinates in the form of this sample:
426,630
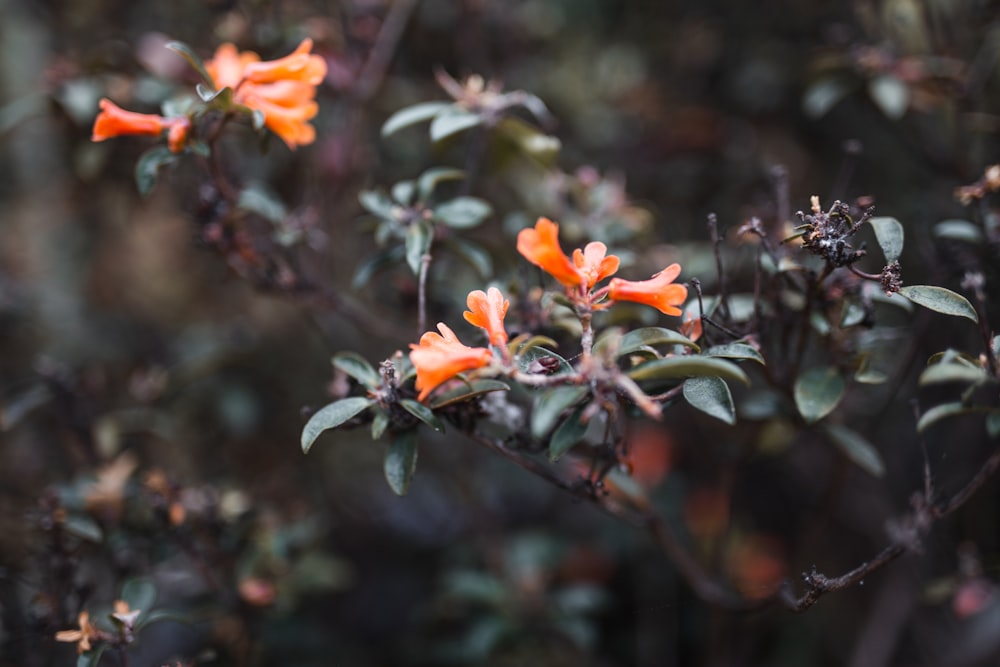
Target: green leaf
357,367
419,236
735,351
853,314
472,254
401,461
529,140
525,342
940,300
91,658
890,94
568,433
463,212
380,422
951,372
147,168
452,121
403,192
465,392
377,203
220,100
944,411
430,179
711,395
688,366
412,115
193,59
889,234
550,404
993,424
83,527
635,340
376,263
959,230
824,94
423,413
267,205
817,392
856,448
139,593
332,416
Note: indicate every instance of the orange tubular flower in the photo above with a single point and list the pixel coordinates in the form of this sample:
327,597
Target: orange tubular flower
486,311
658,292
440,357
594,264
284,90
540,246
113,121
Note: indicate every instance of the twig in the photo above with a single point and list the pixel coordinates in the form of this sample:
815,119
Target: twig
713,230
385,47
425,265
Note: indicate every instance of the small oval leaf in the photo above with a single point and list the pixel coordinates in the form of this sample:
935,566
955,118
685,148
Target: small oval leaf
412,115
401,461
332,416
817,392
139,593
890,94
941,300
550,404
951,372
889,234
192,58
569,432
945,410
735,351
637,339
856,448
465,392
380,422
147,168
418,244
538,360
423,413
357,367
958,230
688,366
452,121
430,178
463,212
711,395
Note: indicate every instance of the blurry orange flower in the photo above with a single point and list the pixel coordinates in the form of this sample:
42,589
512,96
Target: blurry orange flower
440,357
113,121
81,637
691,326
486,311
540,246
594,264
283,90
658,292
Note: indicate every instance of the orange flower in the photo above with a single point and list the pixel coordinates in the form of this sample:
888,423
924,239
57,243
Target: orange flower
283,90
486,311
691,326
113,121
593,265
540,246
82,636
658,292
440,357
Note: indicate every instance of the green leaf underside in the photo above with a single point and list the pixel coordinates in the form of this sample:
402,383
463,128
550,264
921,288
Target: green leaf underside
636,340
465,392
332,416
139,593
192,58
889,234
817,392
401,461
890,94
711,395
549,406
377,203
689,366
856,448
951,372
430,179
379,424
452,121
567,434
418,113
735,351
941,300
423,413
526,361
958,230
147,168
403,191
463,212
946,410
418,244
357,367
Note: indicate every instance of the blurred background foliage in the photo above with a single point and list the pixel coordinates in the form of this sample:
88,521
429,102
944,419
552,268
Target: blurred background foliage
152,396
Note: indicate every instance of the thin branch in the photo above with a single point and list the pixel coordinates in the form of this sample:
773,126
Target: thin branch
385,47
425,265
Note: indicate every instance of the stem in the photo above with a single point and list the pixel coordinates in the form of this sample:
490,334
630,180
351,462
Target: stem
425,265
385,46
713,230
587,338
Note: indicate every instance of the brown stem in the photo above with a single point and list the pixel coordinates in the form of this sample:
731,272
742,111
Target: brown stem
385,47
425,265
